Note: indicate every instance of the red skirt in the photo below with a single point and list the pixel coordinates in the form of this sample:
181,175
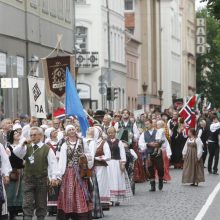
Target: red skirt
72,198
139,173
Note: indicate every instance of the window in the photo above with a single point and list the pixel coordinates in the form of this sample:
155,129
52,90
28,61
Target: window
2,63
45,6
129,5
80,1
82,37
34,3
53,8
60,9
68,11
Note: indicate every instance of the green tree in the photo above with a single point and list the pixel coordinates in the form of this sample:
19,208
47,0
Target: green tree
214,7
208,65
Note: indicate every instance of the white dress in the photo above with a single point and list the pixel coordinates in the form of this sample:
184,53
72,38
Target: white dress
117,177
101,171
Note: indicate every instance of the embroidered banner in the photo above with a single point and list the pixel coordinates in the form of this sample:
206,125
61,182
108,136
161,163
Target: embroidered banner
54,69
37,97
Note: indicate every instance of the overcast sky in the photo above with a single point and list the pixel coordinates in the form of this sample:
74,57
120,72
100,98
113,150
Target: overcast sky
198,4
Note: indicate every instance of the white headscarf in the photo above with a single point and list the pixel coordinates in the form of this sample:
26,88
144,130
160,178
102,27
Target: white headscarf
69,127
48,132
97,133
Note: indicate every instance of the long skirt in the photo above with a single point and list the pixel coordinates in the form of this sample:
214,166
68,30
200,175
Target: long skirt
97,211
166,162
193,170
74,196
14,191
139,173
117,183
53,193
103,183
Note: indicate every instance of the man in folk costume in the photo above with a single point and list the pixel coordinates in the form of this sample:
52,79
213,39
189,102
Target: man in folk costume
39,158
148,141
5,169
213,145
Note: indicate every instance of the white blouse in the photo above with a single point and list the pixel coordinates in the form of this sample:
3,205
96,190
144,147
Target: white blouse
93,147
63,157
5,163
199,147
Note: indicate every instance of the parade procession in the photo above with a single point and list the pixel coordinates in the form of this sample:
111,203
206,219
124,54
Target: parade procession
109,109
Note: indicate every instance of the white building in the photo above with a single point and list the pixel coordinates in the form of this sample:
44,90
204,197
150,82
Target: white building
171,50
92,36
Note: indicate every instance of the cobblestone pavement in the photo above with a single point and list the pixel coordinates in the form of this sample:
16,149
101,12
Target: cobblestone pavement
175,202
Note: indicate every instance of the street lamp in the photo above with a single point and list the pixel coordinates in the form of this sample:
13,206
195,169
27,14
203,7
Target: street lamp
160,92
144,87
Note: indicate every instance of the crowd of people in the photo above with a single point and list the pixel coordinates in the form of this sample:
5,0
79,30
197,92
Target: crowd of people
48,166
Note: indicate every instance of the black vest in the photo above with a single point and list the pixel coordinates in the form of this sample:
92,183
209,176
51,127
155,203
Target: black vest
150,137
115,151
213,136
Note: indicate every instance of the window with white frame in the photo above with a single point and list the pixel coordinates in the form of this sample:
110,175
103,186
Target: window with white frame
53,8
45,6
60,9
82,38
2,63
129,5
68,11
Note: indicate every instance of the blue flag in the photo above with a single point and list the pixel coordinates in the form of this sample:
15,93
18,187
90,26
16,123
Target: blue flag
73,104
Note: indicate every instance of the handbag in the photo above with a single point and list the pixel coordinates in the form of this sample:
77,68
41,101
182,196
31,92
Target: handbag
14,175
85,172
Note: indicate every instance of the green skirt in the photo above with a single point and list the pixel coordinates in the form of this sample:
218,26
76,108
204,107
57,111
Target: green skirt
14,193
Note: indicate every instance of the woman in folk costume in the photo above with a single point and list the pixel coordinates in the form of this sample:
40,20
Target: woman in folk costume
5,169
131,157
166,150
116,168
101,152
193,170
97,211
14,190
180,136
75,199
51,135
139,174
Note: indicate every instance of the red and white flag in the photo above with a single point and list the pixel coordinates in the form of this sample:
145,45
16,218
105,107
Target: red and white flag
188,114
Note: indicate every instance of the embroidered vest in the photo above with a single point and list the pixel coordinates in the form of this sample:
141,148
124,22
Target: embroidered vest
115,151
100,152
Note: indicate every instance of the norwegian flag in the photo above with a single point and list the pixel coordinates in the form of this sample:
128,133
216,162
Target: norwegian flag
188,114
59,113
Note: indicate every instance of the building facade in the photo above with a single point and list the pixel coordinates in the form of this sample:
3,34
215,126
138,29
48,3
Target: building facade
92,21
27,28
188,47
150,81
133,51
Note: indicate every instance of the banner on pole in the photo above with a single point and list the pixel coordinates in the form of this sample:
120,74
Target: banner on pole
37,97
54,69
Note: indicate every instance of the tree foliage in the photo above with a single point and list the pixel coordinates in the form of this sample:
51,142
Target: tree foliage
214,7
208,65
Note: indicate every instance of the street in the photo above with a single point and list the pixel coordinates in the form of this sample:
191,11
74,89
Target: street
175,202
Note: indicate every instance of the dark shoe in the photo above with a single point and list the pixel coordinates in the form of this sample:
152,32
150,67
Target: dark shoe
210,172
215,173
160,186
153,186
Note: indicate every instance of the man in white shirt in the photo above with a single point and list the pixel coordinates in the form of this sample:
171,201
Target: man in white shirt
147,143
39,159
